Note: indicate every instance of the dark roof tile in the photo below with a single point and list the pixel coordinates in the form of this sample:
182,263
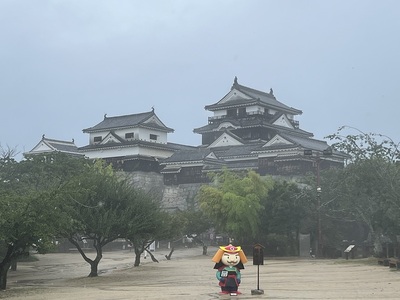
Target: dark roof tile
124,121
256,96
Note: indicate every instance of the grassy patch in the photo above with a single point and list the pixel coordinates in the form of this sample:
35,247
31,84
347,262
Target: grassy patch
361,261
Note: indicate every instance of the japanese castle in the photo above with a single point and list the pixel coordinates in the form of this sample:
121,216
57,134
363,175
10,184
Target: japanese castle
249,130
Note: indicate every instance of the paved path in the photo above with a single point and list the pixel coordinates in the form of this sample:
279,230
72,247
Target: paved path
190,275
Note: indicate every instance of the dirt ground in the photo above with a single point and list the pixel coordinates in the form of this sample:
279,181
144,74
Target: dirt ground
190,275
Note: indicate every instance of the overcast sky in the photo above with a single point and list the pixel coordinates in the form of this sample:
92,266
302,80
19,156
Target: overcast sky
64,64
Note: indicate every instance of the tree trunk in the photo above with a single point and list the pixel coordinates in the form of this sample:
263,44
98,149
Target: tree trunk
378,249
168,257
152,256
14,265
374,236
138,252
199,241
4,266
93,263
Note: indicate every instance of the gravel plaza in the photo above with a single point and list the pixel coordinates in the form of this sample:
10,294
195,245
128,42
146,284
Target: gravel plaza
190,275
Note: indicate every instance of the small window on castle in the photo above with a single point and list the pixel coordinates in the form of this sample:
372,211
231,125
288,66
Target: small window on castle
153,137
129,135
97,139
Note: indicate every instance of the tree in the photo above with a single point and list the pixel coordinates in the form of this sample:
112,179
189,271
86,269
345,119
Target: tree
157,225
8,152
196,223
24,223
102,206
370,183
29,207
233,203
327,215
281,220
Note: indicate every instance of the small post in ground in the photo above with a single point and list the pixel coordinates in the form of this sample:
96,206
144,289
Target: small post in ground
258,259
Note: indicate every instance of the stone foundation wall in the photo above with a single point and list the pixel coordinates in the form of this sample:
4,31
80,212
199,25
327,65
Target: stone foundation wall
181,196
172,197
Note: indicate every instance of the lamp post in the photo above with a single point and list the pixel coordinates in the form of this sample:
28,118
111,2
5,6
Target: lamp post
317,161
319,245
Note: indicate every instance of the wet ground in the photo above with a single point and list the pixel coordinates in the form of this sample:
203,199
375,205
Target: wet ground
190,275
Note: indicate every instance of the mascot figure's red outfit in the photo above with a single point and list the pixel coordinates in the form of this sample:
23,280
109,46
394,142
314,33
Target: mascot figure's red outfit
229,261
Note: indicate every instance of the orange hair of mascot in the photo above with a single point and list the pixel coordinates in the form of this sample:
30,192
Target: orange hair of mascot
229,249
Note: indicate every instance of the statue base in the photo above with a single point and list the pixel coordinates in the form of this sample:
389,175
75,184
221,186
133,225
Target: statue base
257,292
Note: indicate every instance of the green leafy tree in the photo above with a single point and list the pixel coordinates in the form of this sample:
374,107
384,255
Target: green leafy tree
370,183
196,223
356,198
326,216
148,224
233,203
27,221
281,220
29,204
102,206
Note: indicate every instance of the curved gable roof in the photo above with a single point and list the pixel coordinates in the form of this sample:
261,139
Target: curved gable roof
50,145
254,96
147,119
193,155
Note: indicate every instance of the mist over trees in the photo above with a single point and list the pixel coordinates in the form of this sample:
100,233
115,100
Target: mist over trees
233,203
367,190
30,214
43,198
252,209
58,196
104,207
359,203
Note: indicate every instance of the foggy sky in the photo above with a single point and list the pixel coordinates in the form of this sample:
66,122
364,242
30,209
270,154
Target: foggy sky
65,63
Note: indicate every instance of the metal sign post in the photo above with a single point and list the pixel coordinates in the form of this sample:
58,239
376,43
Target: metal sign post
258,259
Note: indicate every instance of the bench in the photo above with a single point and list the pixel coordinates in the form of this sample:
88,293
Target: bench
383,262
394,263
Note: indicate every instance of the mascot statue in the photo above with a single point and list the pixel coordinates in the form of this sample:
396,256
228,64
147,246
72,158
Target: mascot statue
229,261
